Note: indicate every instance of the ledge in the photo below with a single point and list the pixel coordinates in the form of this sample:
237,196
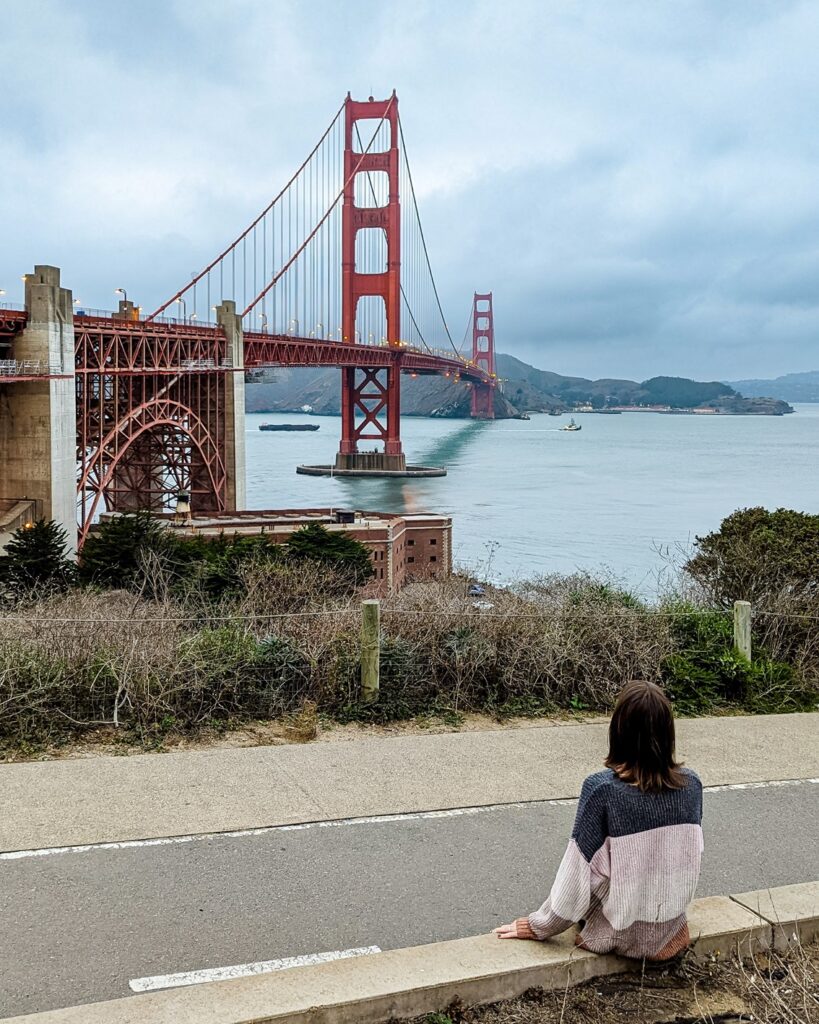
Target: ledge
792,910
409,982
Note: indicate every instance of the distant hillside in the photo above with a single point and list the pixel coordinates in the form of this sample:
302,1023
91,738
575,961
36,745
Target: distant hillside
792,387
523,388
677,392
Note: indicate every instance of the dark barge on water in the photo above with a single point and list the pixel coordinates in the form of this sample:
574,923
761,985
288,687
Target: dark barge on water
288,426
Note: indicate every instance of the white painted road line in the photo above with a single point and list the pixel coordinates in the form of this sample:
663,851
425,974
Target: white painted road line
380,819
244,970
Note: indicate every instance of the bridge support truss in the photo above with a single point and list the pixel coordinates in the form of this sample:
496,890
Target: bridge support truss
483,355
153,412
371,398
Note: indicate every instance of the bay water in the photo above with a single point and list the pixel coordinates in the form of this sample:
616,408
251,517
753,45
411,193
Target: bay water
624,496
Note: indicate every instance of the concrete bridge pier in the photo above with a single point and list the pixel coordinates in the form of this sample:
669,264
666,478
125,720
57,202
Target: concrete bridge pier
234,450
38,419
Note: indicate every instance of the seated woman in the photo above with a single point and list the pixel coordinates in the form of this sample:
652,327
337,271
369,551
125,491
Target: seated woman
633,861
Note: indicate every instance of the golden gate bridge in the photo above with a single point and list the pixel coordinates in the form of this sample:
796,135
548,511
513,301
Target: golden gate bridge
331,273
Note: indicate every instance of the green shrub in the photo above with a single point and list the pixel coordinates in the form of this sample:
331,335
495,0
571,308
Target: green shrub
706,674
217,568
346,556
113,553
36,559
757,554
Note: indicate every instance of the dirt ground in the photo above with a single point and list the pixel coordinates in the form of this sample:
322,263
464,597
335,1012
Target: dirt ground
769,989
107,742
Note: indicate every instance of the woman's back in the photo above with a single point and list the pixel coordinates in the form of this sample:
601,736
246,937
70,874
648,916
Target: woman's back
633,861
642,853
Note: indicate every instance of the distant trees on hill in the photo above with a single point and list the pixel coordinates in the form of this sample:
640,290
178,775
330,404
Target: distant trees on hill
681,393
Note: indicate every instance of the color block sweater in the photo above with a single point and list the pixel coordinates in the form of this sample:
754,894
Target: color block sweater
630,870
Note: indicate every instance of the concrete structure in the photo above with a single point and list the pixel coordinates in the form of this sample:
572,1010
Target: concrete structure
409,982
402,547
371,464
74,801
234,443
38,420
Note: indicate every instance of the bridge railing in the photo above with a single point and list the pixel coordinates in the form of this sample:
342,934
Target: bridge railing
28,368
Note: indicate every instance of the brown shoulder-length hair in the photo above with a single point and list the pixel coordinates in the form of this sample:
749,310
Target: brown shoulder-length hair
641,739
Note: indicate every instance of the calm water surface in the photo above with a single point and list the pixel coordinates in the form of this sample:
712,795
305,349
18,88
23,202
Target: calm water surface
622,495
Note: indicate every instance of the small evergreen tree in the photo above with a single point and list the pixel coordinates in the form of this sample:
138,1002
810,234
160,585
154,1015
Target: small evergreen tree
342,554
36,558
112,553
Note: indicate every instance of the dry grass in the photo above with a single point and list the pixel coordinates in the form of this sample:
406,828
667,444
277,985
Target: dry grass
561,642
171,664
768,989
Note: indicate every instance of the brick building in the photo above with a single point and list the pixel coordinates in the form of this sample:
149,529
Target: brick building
402,547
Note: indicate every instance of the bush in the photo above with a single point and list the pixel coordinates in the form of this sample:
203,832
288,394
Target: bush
706,674
83,659
36,559
756,555
217,569
114,552
343,554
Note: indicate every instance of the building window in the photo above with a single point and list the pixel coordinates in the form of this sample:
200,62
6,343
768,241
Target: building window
411,543
433,558
433,541
410,559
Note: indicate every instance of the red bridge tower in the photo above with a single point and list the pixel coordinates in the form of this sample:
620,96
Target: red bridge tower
373,394
483,356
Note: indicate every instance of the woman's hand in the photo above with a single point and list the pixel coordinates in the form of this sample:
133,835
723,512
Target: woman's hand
520,929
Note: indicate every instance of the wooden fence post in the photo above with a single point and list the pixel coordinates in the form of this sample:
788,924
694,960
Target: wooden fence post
742,628
370,650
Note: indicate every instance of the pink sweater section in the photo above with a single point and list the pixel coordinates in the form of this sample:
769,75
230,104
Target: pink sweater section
630,895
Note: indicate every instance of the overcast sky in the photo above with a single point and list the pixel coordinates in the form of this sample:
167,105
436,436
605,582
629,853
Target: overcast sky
636,182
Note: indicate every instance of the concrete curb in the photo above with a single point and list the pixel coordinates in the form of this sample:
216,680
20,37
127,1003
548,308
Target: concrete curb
408,982
793,910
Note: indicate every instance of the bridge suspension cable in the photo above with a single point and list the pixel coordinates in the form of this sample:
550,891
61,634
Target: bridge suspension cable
318,166
284,270
424,300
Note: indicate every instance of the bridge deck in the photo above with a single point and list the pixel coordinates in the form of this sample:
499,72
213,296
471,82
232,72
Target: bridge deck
175,347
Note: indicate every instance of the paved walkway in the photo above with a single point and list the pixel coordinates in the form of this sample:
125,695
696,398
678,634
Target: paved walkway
62,803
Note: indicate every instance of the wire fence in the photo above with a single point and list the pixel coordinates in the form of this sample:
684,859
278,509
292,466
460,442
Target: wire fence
470,610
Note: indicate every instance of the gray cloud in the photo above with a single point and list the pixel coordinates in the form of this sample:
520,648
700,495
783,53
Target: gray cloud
636,182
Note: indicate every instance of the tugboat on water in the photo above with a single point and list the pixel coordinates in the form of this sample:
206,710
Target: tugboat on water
571,425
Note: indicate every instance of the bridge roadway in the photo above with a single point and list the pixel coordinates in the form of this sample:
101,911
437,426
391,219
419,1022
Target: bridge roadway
312,865
153,345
